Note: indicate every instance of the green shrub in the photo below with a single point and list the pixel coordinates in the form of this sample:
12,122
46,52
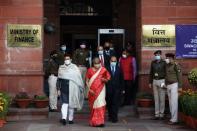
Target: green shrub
22,95
40,97
5,101
192,77
188,103
193,105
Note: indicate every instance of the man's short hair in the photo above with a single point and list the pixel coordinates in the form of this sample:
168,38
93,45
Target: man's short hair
53,52
67,55
170,55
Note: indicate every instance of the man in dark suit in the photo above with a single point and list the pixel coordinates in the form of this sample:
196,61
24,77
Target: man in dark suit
108,52
104,55
114,89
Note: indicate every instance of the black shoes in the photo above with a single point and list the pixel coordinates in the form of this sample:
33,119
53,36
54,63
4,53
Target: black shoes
63,122
161,118
53,110
70,122
114,121
101,125
156,118
109,119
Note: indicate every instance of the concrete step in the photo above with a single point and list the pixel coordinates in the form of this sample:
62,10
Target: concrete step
17,114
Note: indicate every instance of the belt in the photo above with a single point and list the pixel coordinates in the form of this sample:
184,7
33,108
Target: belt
159,78
170,82
54,74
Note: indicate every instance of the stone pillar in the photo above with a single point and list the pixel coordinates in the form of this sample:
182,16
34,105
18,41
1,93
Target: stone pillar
21,68
52,15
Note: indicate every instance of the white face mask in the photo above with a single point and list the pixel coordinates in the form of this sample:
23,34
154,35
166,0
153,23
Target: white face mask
97,65
167,61
67,62
63,48
100,52
113,63
83,46
124,56
157,57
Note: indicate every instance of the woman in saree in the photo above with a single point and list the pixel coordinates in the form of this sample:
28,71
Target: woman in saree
96,78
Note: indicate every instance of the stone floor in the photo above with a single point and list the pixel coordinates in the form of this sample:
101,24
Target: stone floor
127,122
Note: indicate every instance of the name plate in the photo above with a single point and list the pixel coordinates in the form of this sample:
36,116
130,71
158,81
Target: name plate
19,35
158,35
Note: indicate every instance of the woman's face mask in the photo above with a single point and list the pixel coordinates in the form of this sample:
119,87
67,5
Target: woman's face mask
97,65
67,62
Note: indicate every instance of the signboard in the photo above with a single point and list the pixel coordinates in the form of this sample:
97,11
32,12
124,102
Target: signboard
19,35
186,41
158,35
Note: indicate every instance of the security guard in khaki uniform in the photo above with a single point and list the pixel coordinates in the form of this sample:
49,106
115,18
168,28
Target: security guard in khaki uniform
81,59
56,59
81,56
156,80
173,81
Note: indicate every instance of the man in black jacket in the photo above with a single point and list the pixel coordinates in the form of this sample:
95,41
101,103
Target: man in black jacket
104,54
156,81
114,89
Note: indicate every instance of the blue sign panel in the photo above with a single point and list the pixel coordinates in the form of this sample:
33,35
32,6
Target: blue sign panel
186,41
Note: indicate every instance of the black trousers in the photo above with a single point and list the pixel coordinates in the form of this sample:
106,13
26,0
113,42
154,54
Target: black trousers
64,89
129,96
113,103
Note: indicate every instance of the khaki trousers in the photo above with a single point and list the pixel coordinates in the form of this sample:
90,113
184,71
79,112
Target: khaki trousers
52,91
172,90
83,74
159,97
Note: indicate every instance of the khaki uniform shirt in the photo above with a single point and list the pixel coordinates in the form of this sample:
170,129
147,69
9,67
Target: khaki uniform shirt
52,68
53,64
173,74
80,57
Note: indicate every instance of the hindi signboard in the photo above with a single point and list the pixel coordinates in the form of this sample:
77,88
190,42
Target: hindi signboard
186,41
19,35
158,35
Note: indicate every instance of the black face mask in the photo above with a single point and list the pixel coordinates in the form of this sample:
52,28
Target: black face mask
106,48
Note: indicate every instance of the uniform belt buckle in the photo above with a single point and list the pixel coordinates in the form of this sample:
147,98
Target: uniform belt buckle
159,78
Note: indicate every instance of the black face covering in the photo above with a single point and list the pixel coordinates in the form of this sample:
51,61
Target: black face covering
107,48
